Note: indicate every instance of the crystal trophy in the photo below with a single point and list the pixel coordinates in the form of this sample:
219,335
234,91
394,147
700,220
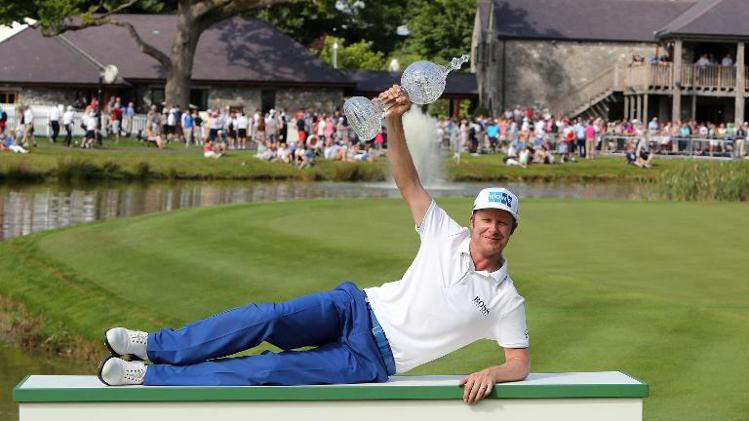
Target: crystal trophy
423,82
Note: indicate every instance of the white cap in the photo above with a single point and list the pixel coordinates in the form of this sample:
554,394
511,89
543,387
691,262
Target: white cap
497,198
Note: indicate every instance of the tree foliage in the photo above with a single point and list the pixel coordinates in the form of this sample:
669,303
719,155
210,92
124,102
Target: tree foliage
440,29
359,55
353,20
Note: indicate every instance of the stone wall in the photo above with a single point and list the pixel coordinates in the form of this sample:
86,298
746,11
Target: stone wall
325,99
47,96
244,96
541,72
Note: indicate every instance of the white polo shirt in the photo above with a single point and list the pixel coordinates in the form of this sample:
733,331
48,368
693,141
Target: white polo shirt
442,303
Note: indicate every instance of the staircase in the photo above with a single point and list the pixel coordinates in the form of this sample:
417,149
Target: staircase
593,98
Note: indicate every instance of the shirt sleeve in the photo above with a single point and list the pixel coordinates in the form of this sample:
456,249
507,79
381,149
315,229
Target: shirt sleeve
512,331
436,224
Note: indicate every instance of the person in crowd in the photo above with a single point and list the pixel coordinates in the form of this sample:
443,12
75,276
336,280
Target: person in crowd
67,123
116,117
170,128
524,157
230,128
3,121
703,61
8,142
106,116
260,133
271,126
188,126
301,126
727,61
284,153
54,122
154,128
741,138
330,150
211,150
27,123
198,126
318,126
128,116
90,122
492,132
716,141
580,136
242,125
653,126
643,155
303,156
283,126
590,140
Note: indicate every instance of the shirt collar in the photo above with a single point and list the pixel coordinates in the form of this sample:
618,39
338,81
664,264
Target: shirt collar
499,275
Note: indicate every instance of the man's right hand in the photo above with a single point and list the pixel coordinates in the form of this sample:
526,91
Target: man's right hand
396,102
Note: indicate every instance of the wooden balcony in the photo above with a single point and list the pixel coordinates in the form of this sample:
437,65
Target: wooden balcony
659,77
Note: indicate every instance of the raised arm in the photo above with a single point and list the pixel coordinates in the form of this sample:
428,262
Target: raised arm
401,163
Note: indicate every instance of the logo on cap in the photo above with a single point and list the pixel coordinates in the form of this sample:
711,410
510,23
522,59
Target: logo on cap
501,197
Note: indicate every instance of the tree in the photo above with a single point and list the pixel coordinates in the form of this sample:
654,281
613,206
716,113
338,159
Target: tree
193,17
355,56
351,20
441,29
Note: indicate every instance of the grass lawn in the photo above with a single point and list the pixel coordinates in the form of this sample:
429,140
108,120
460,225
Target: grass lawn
654,289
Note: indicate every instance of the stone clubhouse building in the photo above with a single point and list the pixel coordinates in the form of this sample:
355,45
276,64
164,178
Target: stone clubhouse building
671,59
239,62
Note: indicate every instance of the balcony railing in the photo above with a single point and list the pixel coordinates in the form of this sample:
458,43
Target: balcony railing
660,76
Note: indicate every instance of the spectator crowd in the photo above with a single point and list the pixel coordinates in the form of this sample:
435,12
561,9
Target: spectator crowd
523,135
298,138
529,136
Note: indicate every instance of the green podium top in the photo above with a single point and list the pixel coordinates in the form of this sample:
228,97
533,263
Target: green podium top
607,384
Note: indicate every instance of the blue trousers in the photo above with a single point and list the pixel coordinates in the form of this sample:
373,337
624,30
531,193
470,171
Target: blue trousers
336,323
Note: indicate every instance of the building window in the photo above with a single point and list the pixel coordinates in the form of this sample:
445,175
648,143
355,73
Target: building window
8,97
157,96
199,98
267,99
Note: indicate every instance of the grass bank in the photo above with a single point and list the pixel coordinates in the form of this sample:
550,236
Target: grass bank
694,181
656,289
130,160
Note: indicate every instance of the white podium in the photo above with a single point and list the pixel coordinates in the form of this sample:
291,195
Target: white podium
610,396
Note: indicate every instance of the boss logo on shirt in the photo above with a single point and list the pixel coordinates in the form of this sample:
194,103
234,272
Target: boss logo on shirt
501,197
482,307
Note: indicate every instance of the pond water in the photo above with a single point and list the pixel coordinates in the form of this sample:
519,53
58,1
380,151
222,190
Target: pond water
29,209
33,208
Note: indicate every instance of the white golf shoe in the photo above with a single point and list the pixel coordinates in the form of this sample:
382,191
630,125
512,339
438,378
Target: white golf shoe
126,342
117,372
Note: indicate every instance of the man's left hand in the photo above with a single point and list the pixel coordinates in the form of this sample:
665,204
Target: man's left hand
477,386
